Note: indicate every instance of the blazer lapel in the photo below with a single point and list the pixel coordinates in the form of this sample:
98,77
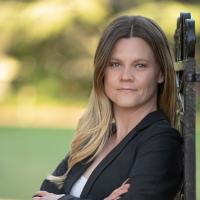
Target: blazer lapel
105,162
74,174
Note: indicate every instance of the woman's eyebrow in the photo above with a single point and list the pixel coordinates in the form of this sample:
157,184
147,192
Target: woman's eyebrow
134,60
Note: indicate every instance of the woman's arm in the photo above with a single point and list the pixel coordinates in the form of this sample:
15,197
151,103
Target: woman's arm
49,191
115,195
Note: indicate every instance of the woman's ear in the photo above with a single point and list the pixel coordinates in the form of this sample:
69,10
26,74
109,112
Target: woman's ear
160,77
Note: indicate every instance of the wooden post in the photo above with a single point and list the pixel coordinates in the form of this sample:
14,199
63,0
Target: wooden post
186,77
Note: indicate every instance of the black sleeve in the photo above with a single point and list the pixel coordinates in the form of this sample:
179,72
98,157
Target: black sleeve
52,188
158,170
60,170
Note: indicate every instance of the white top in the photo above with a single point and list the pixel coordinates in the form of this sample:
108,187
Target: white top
78,186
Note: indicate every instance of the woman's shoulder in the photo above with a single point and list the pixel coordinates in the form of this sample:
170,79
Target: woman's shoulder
163,127
159,127
160,137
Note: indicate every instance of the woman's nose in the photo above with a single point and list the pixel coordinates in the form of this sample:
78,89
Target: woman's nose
127,73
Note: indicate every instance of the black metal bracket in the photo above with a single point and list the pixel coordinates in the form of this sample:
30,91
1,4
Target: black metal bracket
192,77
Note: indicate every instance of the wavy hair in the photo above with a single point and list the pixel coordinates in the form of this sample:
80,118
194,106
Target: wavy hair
94,127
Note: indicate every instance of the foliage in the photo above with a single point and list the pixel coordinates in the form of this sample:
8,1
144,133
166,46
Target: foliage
51,43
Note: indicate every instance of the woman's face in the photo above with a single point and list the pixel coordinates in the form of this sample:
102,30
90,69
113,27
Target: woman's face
132,74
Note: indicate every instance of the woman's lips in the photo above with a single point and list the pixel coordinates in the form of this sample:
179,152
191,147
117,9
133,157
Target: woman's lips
128,89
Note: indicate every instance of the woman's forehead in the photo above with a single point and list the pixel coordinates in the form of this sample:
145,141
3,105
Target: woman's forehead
134,47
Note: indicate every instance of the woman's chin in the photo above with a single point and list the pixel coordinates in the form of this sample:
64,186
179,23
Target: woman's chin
126,105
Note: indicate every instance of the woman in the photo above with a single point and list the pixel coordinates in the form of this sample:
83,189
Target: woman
126,145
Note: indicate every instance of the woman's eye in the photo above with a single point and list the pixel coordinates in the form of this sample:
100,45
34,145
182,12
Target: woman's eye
114,65
140,66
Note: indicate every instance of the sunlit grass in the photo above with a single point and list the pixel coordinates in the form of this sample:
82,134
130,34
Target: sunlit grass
7,199
27,156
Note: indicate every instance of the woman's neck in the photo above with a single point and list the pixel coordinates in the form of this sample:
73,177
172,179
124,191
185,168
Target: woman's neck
127,119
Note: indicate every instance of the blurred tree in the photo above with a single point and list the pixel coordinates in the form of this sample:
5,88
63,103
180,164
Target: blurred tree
189,1
50,39
54,40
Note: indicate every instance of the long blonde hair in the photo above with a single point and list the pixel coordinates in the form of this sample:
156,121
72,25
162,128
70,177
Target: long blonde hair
94,127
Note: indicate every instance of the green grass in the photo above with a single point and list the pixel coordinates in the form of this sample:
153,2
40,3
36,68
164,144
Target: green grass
27,155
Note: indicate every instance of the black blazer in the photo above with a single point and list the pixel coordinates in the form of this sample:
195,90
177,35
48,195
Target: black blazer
150,155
